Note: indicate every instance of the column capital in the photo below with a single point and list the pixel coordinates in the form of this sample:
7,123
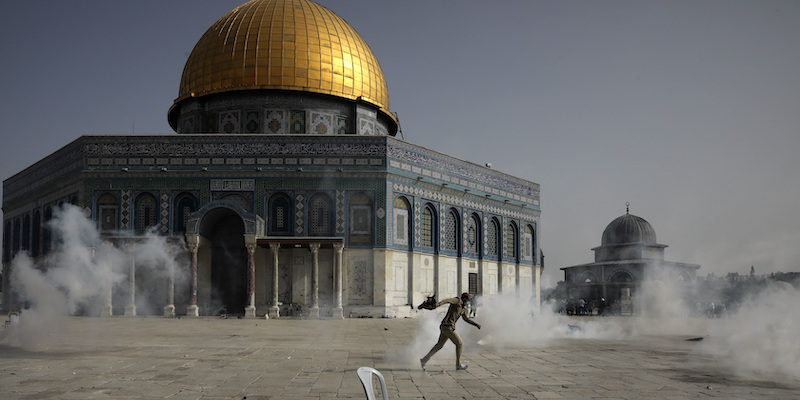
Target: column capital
338,246
274,246
314,247
251,248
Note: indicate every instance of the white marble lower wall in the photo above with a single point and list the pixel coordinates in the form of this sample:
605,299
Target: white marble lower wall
376,282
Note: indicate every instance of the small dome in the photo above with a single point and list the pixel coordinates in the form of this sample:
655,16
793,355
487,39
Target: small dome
293,45
629,229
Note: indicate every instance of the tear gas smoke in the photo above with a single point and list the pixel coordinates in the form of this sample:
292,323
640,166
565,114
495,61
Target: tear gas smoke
761,336
77,276
758,339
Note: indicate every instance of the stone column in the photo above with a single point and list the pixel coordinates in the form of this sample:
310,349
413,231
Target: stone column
130,309
338,313
250,309
108,308
193,241
169,309
274,310
313,309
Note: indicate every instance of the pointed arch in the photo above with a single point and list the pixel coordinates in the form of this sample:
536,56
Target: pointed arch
146,209
26,232
360,219
587,277
108,213
7,242
36,244
511,243
621,276
428,231
474,234
47,234
452,231
16,236
320,208
279,214
183,206
528,243
493,238
402,222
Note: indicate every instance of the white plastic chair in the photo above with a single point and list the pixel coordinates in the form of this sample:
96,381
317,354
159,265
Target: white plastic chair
365,374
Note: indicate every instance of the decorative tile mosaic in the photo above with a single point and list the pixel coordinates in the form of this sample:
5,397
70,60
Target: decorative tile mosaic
298,204
125,212
241,199
460,201
251,122
340,212
366,127
229,122
416,223
464,174
341,125
164,213
232,184
359,279
297,122
321,124
275,121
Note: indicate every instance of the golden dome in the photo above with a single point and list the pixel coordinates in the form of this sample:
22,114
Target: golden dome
295,45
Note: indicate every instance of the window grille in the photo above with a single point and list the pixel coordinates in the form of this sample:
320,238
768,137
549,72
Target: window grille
451,235
426,228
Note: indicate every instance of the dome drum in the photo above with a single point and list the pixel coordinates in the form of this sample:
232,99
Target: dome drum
629,251
278,112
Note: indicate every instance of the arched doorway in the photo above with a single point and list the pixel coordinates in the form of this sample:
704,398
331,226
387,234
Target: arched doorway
225,230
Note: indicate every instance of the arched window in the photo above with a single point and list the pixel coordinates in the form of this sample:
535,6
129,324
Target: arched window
37,233
451,231
587,277
473,235
527,243
7,241
620,276
16,237
47,234
107,207
493,238
511,242
280,214
427,225
26,232
146,213
185,205
321,215
360,222
402,210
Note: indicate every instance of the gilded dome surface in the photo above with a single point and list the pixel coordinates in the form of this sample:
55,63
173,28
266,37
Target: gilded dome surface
294,45
629,229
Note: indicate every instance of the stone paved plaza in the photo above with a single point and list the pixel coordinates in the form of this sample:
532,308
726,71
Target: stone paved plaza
213,358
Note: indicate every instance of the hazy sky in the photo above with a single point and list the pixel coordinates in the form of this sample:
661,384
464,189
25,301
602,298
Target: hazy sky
689,110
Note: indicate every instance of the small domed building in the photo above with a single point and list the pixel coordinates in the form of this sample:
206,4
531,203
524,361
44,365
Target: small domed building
287,185
627,256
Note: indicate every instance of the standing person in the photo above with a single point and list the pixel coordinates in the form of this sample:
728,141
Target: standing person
473,311
447,329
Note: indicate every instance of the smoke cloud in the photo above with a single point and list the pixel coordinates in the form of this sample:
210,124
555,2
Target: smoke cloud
754,338
79,276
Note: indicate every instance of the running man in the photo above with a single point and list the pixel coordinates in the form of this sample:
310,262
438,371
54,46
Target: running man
456,310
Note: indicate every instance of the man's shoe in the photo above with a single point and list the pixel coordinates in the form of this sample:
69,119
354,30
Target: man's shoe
422,363
462,367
